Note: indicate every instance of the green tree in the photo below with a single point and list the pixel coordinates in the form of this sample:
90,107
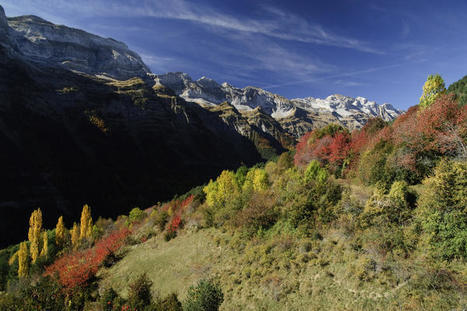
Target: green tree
139,294
442,210
206,296
432,89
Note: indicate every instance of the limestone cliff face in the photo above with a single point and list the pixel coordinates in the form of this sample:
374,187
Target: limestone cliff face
54,45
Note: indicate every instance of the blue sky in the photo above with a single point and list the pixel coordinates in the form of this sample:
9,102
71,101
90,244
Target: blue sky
382,50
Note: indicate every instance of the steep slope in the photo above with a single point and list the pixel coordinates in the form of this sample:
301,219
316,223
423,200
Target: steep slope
296,116
74,49
267,135
69,139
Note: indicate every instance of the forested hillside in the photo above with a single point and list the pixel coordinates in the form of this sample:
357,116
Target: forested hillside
374,219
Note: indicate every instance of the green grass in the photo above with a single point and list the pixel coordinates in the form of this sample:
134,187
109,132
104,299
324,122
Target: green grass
279,272
173,266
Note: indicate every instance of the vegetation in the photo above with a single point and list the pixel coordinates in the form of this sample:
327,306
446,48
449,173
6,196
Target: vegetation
374,219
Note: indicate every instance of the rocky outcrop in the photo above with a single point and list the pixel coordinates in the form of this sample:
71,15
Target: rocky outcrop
297,116
3,25
54,45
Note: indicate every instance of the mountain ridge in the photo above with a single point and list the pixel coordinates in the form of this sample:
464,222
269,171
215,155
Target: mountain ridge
345,110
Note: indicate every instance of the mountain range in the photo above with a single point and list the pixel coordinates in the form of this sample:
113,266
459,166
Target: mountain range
82,120
296,116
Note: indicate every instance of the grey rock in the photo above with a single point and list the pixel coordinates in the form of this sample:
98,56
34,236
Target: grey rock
3,24
297,116
55,45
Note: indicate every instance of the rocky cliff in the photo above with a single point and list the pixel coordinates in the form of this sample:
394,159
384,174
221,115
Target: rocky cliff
296,116
54,45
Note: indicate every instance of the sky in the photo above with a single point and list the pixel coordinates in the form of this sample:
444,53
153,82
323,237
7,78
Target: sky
381,50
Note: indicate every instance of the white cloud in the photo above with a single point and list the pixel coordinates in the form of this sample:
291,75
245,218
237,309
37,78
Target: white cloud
276,24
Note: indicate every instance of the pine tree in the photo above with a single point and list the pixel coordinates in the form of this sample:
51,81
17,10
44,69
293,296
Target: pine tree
60,232
75,236
86,223
34,234
23,259
45,245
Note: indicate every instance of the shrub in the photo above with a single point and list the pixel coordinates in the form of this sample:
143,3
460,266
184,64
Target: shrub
77,268
139,292
107,299
136,215
45,294
442,210
169,303
206,296
161,219
258,214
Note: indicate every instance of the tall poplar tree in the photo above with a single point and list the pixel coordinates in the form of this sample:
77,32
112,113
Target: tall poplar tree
34,233
86,223
60,232
75,236
23,266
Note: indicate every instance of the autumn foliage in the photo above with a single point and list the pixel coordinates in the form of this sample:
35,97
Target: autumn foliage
413,143
77,268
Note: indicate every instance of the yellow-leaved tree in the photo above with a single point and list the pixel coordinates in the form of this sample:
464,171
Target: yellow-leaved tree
222,190
432,89
75,236
86,223
45,245
34,233
60,232
23,266
256,179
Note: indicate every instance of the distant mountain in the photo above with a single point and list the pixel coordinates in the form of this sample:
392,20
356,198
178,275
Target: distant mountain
296,116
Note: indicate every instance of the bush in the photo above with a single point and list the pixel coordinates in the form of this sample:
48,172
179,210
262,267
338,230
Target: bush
169,303
442,210
136,215
206,296
258,214
45,294
139,293
10,303
110,300
161,219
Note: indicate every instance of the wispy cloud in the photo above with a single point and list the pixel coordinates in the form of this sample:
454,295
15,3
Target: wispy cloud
347,83
334,76
276,23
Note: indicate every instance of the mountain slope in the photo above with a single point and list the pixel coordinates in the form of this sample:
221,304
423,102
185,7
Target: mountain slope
69,138
73,49
296,116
